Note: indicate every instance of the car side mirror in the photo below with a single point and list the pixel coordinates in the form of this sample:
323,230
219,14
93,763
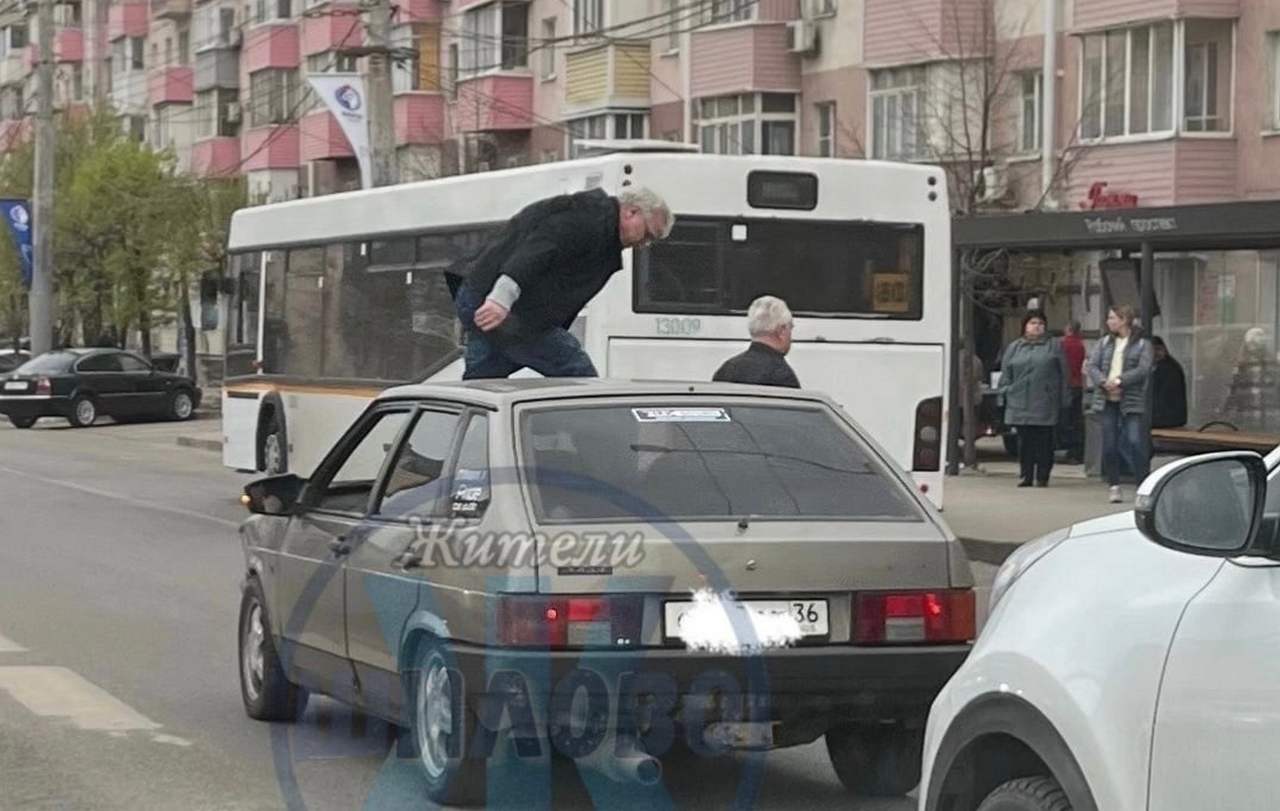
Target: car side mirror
1209,505
274,495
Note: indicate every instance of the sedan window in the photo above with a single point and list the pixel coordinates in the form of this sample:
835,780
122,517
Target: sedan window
100,363
131,364
349,489
416,485
49,363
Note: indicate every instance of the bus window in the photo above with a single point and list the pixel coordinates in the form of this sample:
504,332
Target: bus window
273,327
852,269
242,314
303,335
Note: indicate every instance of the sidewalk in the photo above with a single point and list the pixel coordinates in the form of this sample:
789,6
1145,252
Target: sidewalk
992,515
204,433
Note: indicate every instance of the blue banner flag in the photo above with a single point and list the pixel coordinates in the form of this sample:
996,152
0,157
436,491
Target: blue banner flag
18,214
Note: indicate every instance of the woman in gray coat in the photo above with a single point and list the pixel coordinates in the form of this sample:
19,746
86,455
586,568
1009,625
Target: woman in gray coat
1034,387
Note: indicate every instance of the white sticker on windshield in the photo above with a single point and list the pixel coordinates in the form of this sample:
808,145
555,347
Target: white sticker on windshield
680,415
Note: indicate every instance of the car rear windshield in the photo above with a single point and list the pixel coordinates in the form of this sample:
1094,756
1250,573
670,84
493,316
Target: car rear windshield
48,363
677,462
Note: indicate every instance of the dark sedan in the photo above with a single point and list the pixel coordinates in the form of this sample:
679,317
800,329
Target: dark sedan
80,385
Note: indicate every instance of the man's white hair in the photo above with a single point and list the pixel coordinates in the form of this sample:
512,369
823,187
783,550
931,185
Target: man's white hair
650,203
767,315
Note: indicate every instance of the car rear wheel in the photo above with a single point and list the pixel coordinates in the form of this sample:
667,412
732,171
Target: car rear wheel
84,412
1027,794
23,422
181,405
267,693
876,760
437,739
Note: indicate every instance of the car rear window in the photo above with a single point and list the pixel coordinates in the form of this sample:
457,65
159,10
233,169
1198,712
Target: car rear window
659,462
48,363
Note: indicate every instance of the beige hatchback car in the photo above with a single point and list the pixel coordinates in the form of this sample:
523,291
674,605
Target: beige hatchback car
607,570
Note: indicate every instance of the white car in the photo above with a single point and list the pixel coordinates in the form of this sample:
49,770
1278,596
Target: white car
1130,662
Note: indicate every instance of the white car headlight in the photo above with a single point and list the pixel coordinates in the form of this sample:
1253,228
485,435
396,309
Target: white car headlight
1023,558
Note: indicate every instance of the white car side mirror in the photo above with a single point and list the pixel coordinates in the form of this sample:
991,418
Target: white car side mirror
1205,505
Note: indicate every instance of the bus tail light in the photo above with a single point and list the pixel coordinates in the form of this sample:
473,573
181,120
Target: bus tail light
573,622
905,617
927,454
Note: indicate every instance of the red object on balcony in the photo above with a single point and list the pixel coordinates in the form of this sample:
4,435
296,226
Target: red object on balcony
68,45
494,103
170,86
420,11
419,118
270,148
216,157
128,19
337,28
272,46
322,138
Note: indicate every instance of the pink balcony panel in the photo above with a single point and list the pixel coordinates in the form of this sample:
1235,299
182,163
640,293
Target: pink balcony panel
14,132
1206,171
322,138
419,118
743,58
331,32
128,19
1144,169
68,45
900,32
460,5
420,11
1094,14
495,103
776,10
170,86
270,148
272,46
216,157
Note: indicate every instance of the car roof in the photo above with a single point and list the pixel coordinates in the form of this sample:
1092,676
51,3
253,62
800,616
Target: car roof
499,393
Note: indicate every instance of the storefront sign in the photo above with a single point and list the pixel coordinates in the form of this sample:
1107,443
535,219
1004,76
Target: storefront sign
1130,225
1097,198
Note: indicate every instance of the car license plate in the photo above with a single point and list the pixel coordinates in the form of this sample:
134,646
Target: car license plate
15,385
811,615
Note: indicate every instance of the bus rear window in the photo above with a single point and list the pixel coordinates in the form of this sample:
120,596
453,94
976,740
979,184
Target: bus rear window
718,266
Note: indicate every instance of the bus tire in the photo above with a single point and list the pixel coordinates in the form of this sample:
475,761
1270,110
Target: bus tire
273,444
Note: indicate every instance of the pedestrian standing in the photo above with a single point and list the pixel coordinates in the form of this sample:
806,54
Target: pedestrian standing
525,289
1168,388
1034,389
764,363
1120,371
1073,421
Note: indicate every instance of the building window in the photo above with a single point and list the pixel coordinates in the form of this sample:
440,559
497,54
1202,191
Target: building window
898,114
331,62
825,8
611,126
136,126
17,38
184,47
827,130
1127,86
273,94
731,11
137,49
77,81
495,36
1030,122
515,35
269,10
748,124
1273,74
674,11
1209,46
162,135
215,113
455,70
549,48
588,16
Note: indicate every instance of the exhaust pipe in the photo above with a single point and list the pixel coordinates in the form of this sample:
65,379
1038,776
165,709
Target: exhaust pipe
633,767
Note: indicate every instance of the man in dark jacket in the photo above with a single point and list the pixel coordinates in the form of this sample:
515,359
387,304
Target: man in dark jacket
764,363
527,286
1168,389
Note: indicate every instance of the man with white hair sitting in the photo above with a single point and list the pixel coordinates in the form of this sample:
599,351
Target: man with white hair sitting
764,363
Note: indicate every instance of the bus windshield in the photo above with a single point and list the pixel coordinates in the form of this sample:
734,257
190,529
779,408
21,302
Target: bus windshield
719,265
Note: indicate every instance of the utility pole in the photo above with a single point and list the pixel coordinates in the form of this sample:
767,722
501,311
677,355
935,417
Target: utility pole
382,135
41,301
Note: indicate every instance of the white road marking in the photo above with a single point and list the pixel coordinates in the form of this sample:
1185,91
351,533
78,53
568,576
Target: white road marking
56,692
9,646
125,499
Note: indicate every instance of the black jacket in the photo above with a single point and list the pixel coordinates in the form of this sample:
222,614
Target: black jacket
1168,394
760,365
561,251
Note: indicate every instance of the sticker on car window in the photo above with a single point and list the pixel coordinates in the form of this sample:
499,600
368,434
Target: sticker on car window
680,415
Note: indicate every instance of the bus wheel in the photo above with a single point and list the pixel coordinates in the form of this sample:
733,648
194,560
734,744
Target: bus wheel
272,449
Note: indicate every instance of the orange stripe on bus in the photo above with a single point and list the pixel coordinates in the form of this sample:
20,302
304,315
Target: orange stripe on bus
367,394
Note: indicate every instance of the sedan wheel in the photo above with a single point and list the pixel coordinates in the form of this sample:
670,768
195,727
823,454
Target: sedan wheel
434,722
23,422
440,715
83,412
182,406
1027,794
268,695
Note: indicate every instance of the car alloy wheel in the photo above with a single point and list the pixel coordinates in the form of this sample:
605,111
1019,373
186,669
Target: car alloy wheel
433,717
85,412
182,406
253,658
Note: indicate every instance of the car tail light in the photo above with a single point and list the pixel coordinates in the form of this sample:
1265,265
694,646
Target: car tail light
905,617
573,622
927,454
44,386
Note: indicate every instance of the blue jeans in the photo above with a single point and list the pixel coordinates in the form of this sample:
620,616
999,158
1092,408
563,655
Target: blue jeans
1122,440
553,353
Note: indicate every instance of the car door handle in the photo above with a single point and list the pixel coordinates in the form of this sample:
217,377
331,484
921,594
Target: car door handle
339,547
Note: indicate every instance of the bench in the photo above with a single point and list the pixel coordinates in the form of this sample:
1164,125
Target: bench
1210,438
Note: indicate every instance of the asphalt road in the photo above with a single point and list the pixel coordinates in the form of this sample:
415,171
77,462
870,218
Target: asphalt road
119,592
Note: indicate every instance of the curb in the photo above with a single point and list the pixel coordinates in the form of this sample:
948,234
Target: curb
991,552
201,444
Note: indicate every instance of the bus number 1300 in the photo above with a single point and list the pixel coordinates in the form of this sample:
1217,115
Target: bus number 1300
679,326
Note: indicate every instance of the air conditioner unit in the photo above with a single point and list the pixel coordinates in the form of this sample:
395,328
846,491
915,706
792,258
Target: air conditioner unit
802,37
233,112
993,183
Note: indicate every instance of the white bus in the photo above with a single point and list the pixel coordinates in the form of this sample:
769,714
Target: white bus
337,297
